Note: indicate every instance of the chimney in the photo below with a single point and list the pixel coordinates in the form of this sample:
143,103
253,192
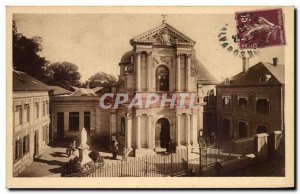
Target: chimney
275,61
245,64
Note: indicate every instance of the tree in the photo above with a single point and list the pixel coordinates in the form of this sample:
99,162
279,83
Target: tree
100,79
26,56
63,74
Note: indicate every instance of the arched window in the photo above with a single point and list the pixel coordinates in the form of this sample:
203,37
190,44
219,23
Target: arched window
162,78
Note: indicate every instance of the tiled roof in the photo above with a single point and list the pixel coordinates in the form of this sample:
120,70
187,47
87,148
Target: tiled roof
59,90
24,82
252,76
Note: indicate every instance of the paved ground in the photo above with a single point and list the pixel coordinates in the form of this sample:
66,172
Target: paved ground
52,159
49,164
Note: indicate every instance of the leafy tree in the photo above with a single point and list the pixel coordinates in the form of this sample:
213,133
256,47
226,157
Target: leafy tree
26,56
63,74
100,79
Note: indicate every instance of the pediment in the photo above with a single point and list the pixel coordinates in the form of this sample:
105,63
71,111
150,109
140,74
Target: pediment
164,35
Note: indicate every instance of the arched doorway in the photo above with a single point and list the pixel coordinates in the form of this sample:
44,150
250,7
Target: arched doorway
162,78
162,133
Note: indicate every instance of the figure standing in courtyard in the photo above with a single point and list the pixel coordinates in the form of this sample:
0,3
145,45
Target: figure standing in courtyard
71,149
115,147
125,153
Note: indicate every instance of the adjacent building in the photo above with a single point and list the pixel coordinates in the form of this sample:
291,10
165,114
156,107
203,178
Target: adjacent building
30,119
252,101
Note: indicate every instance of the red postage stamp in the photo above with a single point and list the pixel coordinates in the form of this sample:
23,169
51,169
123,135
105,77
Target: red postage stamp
257,29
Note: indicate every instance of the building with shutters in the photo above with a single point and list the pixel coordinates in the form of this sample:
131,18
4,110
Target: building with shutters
30,119
252,101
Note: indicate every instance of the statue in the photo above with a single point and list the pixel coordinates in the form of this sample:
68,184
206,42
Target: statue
83,148
83,137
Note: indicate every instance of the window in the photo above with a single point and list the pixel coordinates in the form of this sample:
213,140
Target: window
18,115
26,113
18,150
262,105
261,128
242,103
25,144
226,102
242,128
37,110
264,78
74,121
162,78
44,108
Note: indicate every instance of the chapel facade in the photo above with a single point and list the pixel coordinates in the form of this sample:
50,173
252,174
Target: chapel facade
161,61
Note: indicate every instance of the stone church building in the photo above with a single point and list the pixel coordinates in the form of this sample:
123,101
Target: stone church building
162,60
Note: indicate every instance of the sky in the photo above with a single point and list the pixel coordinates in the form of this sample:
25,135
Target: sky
96,42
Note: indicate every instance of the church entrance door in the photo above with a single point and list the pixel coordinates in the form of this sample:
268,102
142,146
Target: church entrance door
162,133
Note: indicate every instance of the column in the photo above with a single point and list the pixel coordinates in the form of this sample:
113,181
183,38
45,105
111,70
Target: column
149,71
188,129
194,132
81,120
92,123
188,73
149,130
178,73
138,131
66,122
98,127
178,130
113,122
138,71
128,130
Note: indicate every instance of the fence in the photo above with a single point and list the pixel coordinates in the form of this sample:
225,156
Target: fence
176,164
224,151
159,165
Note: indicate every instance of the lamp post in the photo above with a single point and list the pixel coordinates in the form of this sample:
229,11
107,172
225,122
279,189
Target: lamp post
201,146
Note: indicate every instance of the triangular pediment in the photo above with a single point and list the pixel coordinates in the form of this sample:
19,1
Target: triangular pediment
164,35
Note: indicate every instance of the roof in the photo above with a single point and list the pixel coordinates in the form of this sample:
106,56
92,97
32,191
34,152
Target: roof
57,90
84,92
25,82
202,74
164,34
97,89
252,76
126,58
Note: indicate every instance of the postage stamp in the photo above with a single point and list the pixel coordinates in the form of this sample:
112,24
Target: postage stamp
258,29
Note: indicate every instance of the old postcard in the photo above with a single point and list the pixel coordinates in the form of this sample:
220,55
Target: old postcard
150,97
